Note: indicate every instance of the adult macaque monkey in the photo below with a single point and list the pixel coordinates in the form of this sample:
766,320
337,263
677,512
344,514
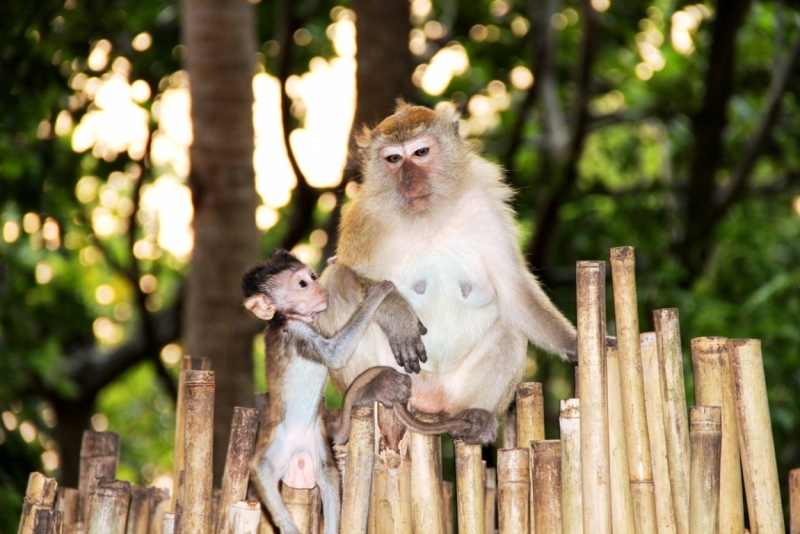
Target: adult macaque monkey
433,217
285,293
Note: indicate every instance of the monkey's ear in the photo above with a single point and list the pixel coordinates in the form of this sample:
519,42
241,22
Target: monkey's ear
447,111
261,306
363,138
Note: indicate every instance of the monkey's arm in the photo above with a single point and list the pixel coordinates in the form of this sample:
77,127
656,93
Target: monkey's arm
395,315
335,352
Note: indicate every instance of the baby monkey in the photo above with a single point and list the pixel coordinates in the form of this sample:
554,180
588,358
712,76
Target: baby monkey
285,293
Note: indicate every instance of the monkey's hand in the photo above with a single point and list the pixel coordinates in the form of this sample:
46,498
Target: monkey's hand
404,331
482,427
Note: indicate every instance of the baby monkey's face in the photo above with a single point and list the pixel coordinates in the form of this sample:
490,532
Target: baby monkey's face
299,293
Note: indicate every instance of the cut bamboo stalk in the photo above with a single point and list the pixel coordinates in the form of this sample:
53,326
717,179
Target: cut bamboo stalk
447,493
794,501
513,490
632,383
510,428
530,424
188,363
546,486
595,470
676,422
621,499
237,465
180,498
713,387
304,507
138,511
44,521
358,473
57,524
427,502
39,495
159,502
108,506
490,499
262,404
67,503
168,523
99,458
665,509
198,441
755,437
705,434
469,488
571,499
244,517
391,478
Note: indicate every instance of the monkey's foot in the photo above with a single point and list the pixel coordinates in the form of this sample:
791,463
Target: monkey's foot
391,387
482,427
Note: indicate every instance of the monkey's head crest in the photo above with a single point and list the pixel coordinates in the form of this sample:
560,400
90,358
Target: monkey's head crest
257,277
409,121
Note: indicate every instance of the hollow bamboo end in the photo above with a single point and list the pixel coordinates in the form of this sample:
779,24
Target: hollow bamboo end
622,253
104,487
664,317
41,490
513,465
529,389
570,408
199,378
713,345
647,340
99,444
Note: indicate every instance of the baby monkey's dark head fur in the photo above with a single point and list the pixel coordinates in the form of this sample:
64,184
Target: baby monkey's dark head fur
257,278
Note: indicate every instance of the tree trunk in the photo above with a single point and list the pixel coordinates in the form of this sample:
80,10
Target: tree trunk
220,42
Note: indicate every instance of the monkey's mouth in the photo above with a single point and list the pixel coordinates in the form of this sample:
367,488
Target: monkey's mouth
417,203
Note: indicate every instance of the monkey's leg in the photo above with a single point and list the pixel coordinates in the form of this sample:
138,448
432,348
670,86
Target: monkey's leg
266,479
328,482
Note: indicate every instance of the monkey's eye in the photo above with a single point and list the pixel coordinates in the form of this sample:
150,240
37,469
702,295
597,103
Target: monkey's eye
313,276
422,151
393,158
303,283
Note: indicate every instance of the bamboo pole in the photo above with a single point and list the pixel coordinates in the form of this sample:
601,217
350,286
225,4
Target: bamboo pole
794,501
571,499
99,458
188,363
244,517
513,490
159,502
180,499
546,486
665,509
595,471
237,465
304,506
168,523
621,499
490,499
390,508
705,434
469,488
262,405
358,473
510,427
67,503
755,437
138,511
198,441
46,521
427,502
39,495
632,387
676,422
713,387
530,424
447,493
108,502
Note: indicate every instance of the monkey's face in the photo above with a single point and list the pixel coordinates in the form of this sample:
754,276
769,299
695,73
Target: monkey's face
299,294
410,164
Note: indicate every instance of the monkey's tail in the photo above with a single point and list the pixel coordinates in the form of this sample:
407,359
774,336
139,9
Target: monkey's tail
455,427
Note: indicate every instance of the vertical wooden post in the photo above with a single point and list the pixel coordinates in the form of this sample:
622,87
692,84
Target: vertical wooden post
632,388
198,442
676,422
447,493
794,501
159,502
427,502
391,479
108,507
138,511
513,490
358,474
705,434
621,500
595,471
713,387
665,509
304,506
237,465
47,522
530,425
67,503
244,517
99,457
490,499
571,498
546,485
756,446
188,363
40,495
469,488
510,428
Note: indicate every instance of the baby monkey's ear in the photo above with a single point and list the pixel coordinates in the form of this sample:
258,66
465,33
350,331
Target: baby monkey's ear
261,306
